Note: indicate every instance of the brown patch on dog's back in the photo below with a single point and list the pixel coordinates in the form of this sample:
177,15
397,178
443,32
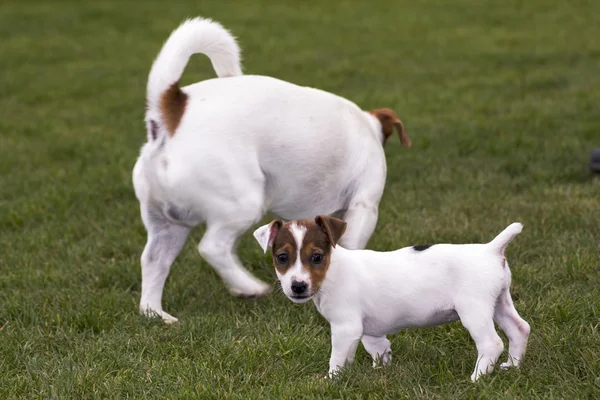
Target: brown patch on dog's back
172,106
389,119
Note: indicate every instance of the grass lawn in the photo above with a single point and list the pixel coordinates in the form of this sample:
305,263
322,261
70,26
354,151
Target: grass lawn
501,100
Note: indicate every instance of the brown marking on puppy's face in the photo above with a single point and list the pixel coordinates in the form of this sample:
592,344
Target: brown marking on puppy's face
172,106
389,120
302,255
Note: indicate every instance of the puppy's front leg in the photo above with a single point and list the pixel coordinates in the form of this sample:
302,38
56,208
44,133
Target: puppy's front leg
344,341
378,348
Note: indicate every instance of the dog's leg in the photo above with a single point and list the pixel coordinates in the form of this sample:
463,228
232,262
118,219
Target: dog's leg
165,241
344,341
379,348
361,218
516,329
478,320
217,247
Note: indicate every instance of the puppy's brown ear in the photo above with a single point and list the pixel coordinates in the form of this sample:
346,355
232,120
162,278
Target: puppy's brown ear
266,234
389,120
334,228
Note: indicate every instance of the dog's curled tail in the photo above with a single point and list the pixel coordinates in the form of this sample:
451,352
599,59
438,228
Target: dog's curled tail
165,100
505,237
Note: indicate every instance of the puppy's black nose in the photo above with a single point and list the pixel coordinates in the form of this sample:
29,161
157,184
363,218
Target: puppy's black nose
299,287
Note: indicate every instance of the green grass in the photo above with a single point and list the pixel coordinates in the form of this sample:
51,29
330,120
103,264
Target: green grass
501,101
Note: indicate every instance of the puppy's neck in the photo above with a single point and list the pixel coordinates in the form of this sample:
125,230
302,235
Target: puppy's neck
338,272
339,257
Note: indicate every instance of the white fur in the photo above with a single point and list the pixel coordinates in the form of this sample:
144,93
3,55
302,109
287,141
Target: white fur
247,145
367,295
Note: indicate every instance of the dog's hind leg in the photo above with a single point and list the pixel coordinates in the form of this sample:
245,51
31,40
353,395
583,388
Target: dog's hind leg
218,244
361,218
516,329
379,348
165,241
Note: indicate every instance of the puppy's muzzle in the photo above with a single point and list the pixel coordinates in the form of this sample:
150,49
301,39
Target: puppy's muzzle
299,288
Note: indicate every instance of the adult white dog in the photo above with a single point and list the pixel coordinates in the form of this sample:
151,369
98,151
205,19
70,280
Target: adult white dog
225,151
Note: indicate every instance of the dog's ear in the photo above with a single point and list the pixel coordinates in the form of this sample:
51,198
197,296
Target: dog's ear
389,120
334,228
265,235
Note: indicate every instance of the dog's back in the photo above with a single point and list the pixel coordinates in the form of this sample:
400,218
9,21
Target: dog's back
304,149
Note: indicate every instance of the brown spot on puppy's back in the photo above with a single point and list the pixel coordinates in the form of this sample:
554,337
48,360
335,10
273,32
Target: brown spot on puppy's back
172,106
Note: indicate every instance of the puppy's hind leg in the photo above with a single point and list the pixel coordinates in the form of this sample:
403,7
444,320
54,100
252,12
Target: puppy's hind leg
165,241
516,329
477,318
379,348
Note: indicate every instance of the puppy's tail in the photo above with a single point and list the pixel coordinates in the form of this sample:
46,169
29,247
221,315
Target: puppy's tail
165,100
505,237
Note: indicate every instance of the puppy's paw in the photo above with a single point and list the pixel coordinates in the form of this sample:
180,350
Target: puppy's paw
509,364
387,358
475,376
166,317
383,360
333,373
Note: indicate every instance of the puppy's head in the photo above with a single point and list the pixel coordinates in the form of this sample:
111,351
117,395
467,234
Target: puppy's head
301,252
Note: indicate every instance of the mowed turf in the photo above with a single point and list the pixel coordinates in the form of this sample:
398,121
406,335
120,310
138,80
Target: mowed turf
500,99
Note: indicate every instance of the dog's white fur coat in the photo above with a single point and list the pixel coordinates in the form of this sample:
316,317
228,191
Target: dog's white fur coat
367,294
245,146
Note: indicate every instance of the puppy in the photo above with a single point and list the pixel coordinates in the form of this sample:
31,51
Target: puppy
366,295
225,151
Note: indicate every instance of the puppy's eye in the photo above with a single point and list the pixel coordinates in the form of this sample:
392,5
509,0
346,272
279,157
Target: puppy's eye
282,258
317,258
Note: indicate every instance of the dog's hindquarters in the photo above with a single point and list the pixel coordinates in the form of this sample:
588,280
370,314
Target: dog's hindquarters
153,173
166,101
